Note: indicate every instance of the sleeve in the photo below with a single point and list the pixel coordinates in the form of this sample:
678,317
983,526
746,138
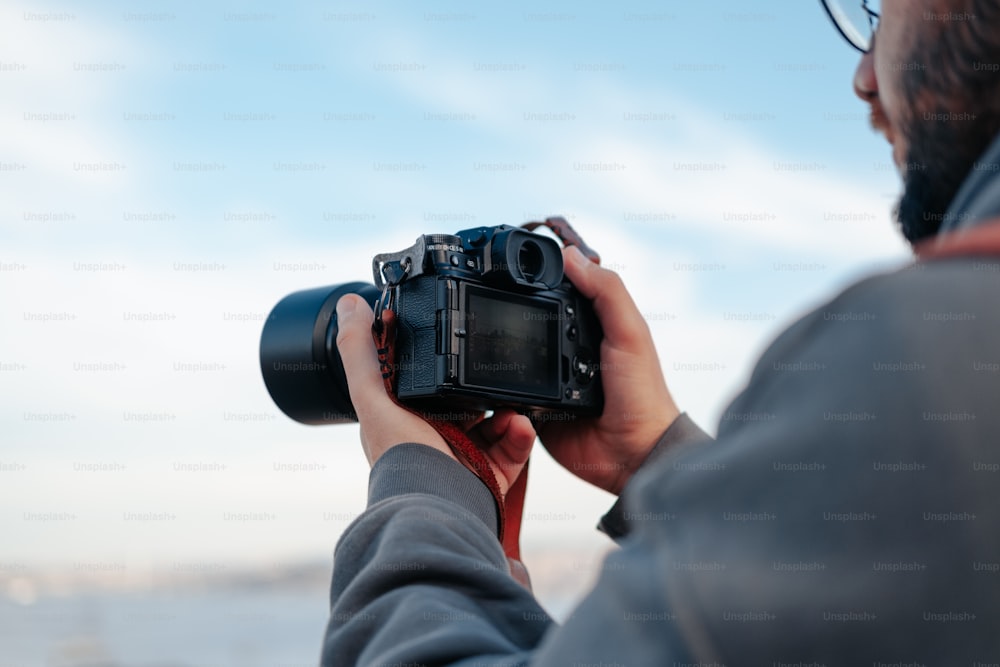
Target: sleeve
842,517
420,577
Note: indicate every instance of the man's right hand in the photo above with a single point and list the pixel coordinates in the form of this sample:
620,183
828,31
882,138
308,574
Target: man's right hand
638,407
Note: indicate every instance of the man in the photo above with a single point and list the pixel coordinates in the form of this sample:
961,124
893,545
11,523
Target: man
848,511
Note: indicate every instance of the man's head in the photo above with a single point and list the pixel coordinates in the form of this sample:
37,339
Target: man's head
932,82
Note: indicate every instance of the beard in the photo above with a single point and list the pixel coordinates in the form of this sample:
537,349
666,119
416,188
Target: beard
941,153
939,156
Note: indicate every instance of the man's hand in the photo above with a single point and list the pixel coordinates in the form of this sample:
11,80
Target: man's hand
505,438
638,407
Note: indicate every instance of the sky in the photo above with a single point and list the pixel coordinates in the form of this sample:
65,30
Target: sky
169,171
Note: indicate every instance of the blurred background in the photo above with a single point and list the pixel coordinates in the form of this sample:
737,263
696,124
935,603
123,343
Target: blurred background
169,170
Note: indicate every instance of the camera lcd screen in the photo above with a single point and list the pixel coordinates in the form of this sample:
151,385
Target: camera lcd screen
512,342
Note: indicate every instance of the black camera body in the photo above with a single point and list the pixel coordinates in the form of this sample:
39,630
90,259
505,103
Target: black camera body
485,319
491,321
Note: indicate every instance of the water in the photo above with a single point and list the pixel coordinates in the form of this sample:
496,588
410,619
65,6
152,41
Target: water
243,627
271,616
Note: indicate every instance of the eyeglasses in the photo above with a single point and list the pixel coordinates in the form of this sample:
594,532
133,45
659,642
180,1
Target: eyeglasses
856,20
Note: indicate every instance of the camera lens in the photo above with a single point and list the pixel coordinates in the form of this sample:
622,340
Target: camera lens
299,359
530,260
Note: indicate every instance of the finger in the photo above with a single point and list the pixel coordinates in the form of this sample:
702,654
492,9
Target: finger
492,429
520,437
623,324
511,452
357,351
507,434
506,439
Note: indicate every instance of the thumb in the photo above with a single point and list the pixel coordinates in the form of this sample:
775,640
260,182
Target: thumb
357,352
507,439
623,324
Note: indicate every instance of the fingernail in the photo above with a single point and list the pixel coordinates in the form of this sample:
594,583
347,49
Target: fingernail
345,307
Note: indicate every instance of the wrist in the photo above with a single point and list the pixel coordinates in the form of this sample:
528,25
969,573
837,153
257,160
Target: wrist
409,468
379,437
682,431
679,428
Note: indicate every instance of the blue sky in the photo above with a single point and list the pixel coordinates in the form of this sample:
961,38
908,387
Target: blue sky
170,171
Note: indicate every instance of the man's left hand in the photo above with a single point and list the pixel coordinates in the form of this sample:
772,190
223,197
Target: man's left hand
505,438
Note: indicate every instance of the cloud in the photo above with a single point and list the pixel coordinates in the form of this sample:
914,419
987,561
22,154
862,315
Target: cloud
159,366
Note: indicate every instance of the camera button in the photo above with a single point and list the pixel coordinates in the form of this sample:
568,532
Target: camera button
583,370
570,311
454,260
571,332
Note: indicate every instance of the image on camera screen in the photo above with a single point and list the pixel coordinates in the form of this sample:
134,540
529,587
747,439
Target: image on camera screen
512,343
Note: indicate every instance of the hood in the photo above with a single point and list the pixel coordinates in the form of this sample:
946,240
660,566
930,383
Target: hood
979,197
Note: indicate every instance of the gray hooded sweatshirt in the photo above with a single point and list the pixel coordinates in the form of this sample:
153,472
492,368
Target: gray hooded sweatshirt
848,512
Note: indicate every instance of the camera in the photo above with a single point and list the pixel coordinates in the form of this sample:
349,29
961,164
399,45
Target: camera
485,319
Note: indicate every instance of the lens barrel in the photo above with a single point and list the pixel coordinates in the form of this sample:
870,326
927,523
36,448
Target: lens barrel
299,359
